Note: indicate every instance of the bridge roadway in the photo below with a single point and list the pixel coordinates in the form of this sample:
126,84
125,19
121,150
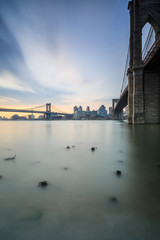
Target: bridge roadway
33,111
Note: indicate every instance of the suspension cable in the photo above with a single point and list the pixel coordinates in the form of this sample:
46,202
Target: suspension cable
125,72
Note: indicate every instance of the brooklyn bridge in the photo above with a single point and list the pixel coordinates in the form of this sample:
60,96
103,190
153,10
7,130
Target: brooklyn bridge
141,88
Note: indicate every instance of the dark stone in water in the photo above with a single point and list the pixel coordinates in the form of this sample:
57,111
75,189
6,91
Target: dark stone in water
120,161
73,146
1,176
10,158
93,149
43,183
68,147
65,168
113,199
118,173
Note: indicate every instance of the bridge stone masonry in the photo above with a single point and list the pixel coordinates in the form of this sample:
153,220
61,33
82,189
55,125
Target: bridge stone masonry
142,94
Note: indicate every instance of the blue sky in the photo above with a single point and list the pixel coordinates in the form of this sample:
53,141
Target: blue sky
67,52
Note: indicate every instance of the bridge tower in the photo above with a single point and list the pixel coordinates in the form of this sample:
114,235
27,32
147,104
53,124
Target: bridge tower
143,81
48,111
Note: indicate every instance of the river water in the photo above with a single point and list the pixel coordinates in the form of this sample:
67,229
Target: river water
78,201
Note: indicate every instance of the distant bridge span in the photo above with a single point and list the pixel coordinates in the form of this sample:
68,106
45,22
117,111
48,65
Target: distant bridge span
46,113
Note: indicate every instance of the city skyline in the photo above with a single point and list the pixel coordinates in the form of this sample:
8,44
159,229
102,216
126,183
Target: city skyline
9,114
62,52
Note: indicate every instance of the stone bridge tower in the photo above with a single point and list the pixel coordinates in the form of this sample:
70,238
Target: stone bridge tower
143,81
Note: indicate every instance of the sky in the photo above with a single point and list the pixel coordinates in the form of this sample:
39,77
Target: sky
65,52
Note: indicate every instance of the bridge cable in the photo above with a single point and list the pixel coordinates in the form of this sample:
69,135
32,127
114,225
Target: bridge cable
125,71
148,42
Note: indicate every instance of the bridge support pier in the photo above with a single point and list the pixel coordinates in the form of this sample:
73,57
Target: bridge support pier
130,95
138,96
118,115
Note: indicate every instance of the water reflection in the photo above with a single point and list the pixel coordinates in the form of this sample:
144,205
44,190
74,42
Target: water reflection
84,199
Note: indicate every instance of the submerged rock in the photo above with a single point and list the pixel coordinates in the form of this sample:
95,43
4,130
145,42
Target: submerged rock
113,199
120,161
65,168
68,147
43,184
10,158
93,149
118,173
1,176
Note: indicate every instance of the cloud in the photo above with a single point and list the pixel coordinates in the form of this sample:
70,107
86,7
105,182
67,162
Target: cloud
10,52
6,100
9,81
61,50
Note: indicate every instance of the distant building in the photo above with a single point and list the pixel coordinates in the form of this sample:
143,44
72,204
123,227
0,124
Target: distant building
88,114
93,113
75,109
80,109
88,111
110,111
41,117
102,111
15,117
31,117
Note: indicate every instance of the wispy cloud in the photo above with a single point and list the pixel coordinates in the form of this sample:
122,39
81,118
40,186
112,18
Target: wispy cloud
9,81
61,51
6,100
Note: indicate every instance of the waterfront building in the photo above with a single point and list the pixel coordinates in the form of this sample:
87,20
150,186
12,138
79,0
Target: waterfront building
31,117
102,111
15,117
110,111
75,109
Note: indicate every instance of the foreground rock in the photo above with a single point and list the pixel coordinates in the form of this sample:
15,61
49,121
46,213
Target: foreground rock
113,199
43,184
10,158
93,149
118,173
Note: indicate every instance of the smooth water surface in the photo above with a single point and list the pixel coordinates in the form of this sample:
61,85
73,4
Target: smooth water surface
77,203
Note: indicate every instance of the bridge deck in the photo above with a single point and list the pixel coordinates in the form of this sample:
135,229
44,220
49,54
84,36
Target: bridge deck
32,111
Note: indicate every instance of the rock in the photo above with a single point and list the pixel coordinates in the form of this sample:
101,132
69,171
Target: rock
73,146
120,161
93,149
1,176
68,147
10,158
65,168
43,183
113,199
118,173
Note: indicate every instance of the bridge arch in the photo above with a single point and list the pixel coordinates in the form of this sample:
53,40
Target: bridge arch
153,21
148,38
